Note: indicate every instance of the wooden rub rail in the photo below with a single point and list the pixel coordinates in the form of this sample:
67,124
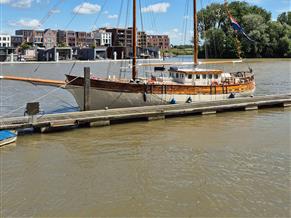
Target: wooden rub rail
95,118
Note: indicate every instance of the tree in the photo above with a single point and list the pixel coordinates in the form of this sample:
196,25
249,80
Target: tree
24,46
272,38
285,17
215,42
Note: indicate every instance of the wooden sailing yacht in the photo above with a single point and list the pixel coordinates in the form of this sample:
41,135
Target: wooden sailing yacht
173,85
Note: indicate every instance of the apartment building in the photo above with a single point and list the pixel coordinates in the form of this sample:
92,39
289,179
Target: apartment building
26,34
121,37
102,38
158,41
71,38
31,36
49,38
142,39
16,41
5,40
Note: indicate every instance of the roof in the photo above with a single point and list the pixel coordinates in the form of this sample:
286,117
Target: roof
198,71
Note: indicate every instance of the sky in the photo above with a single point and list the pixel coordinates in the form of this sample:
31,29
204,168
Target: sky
158,16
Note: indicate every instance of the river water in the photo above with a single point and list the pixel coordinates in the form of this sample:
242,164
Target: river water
234,164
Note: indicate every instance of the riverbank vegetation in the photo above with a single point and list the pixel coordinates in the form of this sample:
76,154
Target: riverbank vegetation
271,38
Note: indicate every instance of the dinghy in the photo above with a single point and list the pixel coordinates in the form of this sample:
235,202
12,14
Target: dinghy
7,137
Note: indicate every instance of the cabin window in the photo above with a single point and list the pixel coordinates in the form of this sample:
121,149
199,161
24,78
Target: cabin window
181,75
215,76
189,76
197,76
204,76
177,75
209,76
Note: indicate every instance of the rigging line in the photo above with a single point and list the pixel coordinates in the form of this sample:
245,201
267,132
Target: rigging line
141,17
186,22
74,64
39,98
99,14
151,17
237,41
127,12
119,13
204,30
74,15
51,11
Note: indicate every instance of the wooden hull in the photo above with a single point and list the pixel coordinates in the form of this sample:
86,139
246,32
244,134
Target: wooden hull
114,94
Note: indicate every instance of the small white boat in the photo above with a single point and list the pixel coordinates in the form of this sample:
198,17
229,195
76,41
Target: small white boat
7,137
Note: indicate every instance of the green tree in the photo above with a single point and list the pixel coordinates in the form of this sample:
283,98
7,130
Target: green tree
272,38
285,17
24,46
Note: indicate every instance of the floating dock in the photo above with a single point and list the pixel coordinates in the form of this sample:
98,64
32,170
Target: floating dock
49,122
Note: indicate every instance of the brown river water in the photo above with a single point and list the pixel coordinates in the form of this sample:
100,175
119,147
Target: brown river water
235,164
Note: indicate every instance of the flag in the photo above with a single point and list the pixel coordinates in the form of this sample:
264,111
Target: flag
237,28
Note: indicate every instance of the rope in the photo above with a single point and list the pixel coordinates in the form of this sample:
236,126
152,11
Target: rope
99,14
37,99
237,42
74,15
141,17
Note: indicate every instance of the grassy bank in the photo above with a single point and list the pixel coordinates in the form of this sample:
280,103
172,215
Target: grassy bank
177,51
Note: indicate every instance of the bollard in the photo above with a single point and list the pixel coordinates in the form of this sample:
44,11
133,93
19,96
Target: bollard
87,85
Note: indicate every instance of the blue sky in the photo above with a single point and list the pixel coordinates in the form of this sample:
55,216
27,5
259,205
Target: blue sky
159,16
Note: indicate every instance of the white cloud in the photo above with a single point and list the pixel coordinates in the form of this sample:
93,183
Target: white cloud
157,8
34,23
4,1
115,16
87,8
22,3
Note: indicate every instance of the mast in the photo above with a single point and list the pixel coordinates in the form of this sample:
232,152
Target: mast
134,42
195,33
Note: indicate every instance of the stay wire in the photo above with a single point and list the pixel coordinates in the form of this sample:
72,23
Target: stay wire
74,15
99,14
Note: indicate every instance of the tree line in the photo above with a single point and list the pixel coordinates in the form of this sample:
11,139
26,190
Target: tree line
271,39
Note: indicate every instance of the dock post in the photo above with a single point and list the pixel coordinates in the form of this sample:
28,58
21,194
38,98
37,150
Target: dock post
87,89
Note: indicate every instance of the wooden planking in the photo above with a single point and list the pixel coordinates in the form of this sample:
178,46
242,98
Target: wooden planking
105,117
156,88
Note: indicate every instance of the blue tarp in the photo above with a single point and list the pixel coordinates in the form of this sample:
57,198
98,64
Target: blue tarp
5,134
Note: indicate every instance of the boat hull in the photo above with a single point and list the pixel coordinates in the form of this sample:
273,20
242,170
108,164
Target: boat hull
101,99
7,137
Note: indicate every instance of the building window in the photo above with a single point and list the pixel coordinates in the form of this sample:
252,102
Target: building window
197,76
215,76
204,76
209,76
189,76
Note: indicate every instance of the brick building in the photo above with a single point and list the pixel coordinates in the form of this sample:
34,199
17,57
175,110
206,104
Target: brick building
142,39
158,41
49,38
121,37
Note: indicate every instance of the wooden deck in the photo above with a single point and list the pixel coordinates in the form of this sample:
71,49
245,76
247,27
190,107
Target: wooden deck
96,118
